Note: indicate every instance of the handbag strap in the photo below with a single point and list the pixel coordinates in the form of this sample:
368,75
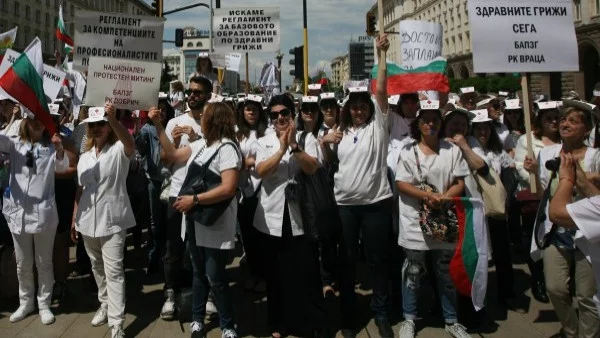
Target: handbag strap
212,157
302,140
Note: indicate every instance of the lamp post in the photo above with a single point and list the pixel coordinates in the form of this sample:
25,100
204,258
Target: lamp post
279,56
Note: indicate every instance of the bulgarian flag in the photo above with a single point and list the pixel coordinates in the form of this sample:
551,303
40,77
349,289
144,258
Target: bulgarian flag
402,80
7,39
469,266
24,82
61,31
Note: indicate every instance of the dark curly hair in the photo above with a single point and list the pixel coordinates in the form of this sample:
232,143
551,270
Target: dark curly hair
494,144
244,128
346,117
415,132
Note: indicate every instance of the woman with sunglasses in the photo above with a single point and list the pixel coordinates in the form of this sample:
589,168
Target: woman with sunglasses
439,163
295,301
364,197
545,134
103,213
29,207
252,124
330,110
563,258
211,243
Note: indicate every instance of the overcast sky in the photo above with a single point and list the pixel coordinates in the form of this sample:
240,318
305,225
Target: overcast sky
331,24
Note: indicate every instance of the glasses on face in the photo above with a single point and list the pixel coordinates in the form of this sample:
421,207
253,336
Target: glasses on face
29,161
309,110
97,124
196,92
329,106
283,113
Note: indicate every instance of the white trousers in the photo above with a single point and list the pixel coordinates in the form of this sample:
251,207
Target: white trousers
29,248
106,254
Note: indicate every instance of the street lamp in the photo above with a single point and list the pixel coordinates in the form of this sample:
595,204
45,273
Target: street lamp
279,56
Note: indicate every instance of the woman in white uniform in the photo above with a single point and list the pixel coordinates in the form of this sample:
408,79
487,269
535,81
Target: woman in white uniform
563,257
103,213
30,211
252,124
545,134
364,198
486,143
440,164
295,300
212,242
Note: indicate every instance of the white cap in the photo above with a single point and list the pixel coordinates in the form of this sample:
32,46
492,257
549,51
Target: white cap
466,90
428,105
596,92
203,55
310,99
461,110
54,109
547,105
254,98
354,90
327,96
512,104
216,98
162,95
483,102
502,93
481,115
452,101
393,100
95,114
314,86
578,104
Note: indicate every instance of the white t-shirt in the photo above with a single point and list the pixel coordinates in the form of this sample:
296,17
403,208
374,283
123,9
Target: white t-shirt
399,127
492,159
13,130
268,218
249,180
504,135
586,213
439,170
179,170
220,235
362,175
104,208
521,153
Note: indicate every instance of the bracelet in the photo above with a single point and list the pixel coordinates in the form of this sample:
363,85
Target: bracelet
196,201
566,178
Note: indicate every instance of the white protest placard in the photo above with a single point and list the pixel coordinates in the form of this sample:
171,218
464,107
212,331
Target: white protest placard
218,60
127,84
53,77
118,36
232,61
246,29
420,42
523,36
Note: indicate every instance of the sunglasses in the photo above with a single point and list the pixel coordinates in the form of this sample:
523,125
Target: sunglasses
29,161
97,124
309,110
328,106
196,92
275,114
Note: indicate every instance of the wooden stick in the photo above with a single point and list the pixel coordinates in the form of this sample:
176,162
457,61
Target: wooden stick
528,132
382,56
247,76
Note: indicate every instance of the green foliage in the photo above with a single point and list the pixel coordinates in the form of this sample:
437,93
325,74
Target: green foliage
490,84
165,78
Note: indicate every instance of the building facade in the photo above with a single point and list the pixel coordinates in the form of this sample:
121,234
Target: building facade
39,18
174,62
340,71
361,58
453,16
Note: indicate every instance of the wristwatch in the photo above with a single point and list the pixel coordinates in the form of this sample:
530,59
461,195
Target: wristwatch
196,201
295,148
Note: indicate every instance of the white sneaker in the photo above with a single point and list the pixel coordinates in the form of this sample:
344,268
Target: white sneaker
211,308
22,312
101,316
47,317
117,332
457,331
229,333
407,329
168,309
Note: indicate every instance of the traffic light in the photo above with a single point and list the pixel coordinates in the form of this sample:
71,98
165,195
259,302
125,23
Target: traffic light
158,7
297,62
178,37
371,24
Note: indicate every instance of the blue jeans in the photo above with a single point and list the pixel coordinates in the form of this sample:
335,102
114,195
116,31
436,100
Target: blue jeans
158,213
414,268
209,273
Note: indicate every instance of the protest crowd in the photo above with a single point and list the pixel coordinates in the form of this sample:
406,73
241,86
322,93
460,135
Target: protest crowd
429,190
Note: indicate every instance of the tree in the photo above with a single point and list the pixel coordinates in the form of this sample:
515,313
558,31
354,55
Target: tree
165,77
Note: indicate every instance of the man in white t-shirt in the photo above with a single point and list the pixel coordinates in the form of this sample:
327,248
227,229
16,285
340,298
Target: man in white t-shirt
181,131
582,215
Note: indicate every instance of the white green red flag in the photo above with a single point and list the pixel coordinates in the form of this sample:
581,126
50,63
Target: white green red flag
403,80
24,82
469,266
61,30
7,39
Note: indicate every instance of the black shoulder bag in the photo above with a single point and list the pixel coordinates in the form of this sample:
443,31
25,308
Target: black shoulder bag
200,179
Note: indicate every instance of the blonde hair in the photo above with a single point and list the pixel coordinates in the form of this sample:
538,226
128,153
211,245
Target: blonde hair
90,142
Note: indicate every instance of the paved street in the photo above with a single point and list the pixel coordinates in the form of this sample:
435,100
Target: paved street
144,299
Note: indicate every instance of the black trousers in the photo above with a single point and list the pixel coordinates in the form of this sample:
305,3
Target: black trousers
500,239
174,248
251,236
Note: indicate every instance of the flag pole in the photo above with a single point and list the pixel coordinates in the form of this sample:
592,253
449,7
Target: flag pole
247,76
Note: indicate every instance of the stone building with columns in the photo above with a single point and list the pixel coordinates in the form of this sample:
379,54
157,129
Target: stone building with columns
453,16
